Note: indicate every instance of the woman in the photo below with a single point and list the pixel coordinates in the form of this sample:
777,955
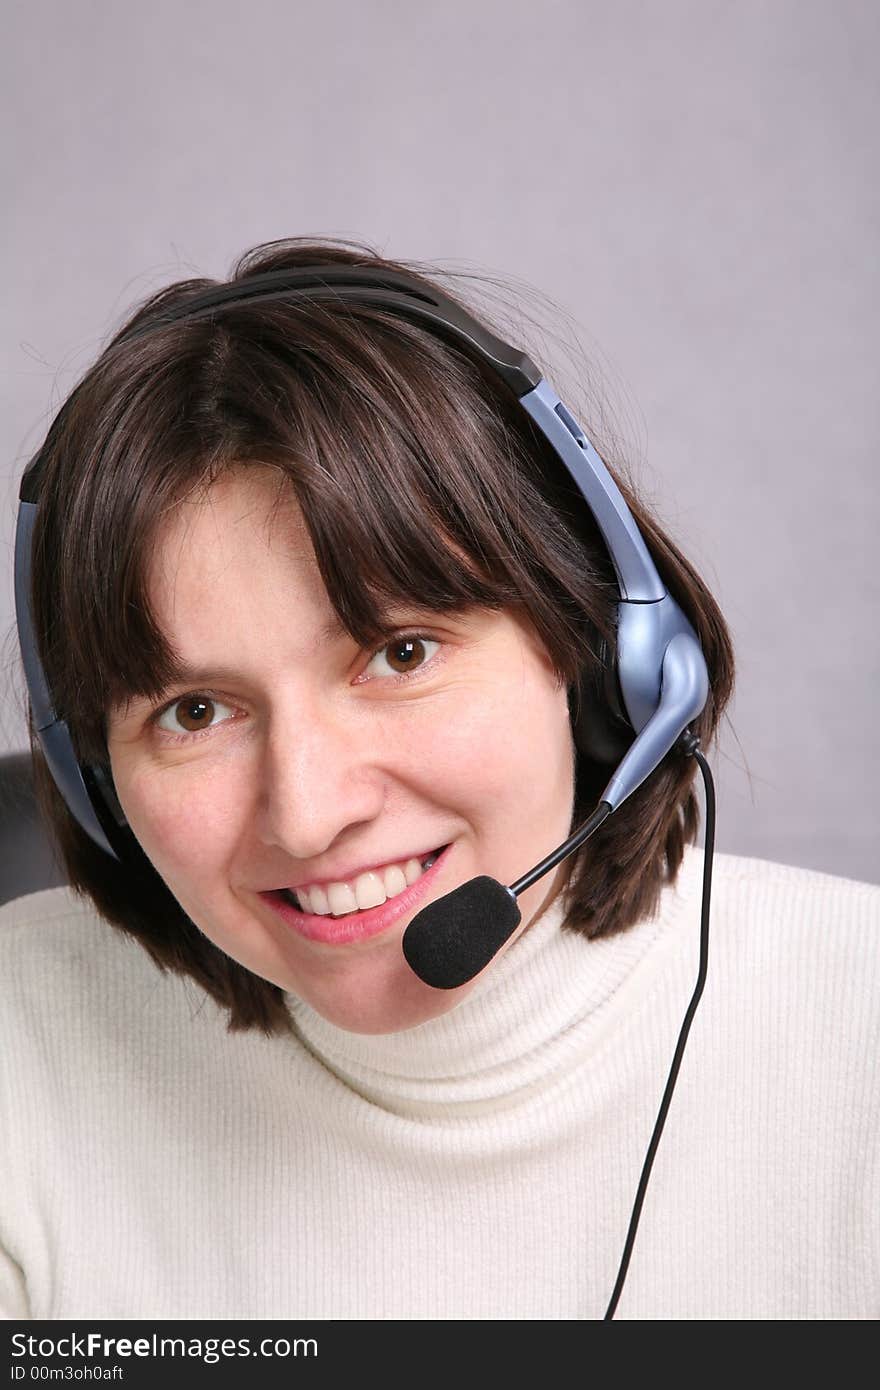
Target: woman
320,610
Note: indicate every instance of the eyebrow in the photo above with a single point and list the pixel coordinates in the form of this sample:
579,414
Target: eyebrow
332,631
209,675
204,676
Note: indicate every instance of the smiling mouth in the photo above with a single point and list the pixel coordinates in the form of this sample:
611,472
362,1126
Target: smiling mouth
367,891
347,928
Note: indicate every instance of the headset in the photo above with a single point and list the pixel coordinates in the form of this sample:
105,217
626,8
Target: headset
653,680
653,634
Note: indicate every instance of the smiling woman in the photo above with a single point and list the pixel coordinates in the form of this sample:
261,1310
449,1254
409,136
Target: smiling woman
398,479
326,634
313,765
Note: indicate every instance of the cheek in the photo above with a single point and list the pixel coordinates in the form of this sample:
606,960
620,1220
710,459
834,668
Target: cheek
539,748
186,823
492,744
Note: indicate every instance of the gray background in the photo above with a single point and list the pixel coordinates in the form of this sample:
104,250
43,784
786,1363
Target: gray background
686,196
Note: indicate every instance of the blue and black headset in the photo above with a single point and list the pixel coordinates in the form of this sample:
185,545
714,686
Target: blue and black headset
653,680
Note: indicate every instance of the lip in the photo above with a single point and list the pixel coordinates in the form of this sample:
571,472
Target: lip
357,926
347,875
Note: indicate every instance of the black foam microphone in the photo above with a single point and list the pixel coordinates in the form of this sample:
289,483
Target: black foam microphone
453,939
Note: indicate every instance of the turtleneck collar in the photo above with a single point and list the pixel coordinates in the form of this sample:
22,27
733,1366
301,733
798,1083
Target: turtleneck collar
553,993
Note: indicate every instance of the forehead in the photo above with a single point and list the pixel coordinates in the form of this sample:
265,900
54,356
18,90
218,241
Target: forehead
235,505
245,532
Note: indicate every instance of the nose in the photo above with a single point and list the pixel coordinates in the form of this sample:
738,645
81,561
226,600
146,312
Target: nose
320,775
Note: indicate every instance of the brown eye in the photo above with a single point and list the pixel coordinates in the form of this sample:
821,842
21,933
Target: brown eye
405,653
402,655
192,715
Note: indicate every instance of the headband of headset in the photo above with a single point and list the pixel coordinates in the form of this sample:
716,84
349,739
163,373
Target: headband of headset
649,620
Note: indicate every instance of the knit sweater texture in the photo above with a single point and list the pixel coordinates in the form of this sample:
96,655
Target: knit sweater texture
480,1166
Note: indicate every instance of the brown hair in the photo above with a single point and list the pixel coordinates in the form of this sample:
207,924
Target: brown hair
389,435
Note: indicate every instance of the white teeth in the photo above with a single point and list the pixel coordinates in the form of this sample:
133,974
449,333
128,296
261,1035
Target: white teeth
341,898
317,901
413,870
395,881
369,889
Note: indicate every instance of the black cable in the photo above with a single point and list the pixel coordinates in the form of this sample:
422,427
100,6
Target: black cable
709,849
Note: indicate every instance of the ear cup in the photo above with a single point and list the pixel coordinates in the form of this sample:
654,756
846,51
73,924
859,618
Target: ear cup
600,725
102,792
98,779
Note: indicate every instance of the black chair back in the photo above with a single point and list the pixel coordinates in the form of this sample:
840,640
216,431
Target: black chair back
27,862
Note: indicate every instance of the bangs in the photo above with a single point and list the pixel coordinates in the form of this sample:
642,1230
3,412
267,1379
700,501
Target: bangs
402,470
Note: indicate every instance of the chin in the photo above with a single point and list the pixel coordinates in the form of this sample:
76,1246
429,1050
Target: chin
424,1005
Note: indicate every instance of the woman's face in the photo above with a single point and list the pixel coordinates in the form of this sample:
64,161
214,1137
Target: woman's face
292,757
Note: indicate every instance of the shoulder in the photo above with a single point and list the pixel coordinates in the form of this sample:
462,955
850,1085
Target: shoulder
794,957
65,969
785,940
45,924
83,1001
49,905
55,924
791,877
789,901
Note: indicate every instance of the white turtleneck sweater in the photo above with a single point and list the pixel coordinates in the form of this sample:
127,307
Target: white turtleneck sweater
480,1166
